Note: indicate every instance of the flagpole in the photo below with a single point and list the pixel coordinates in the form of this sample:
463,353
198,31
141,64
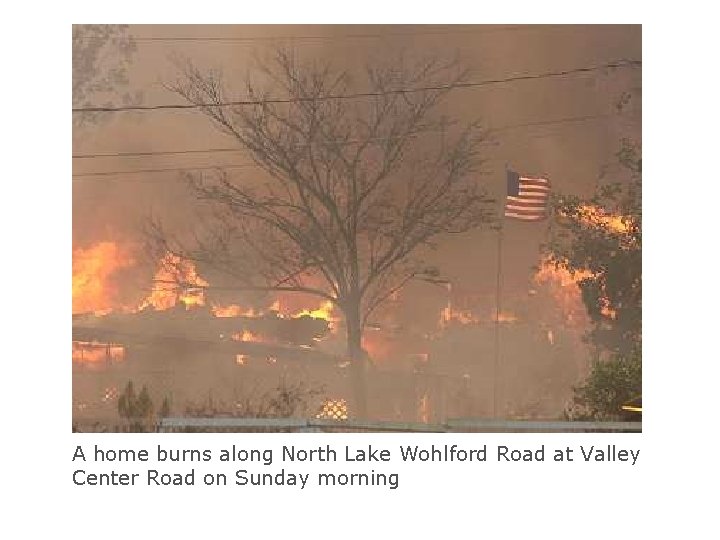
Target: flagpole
496,360
497,318
525,196
498,282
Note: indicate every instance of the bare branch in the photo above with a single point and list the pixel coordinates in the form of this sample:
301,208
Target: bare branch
351,190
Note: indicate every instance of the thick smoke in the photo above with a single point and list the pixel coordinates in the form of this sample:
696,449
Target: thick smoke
542,354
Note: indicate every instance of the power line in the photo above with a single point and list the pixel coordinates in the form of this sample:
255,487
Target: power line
252,165
167,169
550,74
566,120
208,150
332,37
216,39
155,153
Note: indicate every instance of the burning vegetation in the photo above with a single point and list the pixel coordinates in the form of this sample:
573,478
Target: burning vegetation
563,286
593,215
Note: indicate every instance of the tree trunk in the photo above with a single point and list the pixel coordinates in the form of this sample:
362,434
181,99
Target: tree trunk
358,359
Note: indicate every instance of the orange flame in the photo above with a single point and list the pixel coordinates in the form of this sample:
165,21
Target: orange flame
564,288
93,270
246,335
325,312
564,283
176,281
241,359
596,216
233,310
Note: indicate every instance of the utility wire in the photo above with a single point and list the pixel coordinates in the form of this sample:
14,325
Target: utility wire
168,169
572,119
567,120
550,74
156,153
211,150
332,37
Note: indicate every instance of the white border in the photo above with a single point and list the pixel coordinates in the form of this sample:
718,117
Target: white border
663,494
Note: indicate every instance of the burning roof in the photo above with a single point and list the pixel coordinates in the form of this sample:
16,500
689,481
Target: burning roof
177,309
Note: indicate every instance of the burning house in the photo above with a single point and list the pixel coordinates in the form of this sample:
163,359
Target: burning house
191,350
179,345
381,212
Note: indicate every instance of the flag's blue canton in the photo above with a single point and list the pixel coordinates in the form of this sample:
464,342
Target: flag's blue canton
513,183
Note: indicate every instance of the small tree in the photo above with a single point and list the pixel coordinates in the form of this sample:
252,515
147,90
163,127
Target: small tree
601,239
164,411
355,185
137,409
611,383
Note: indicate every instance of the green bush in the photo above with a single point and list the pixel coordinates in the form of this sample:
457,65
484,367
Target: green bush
611,383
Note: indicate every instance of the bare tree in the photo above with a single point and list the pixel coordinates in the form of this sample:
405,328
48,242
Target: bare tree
354,185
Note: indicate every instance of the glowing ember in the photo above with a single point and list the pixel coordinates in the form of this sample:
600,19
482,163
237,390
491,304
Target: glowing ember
424,409
246,335
93,270
606,310
449,315
504,317
109,394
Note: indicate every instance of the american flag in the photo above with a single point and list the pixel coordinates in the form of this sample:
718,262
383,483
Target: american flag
526,197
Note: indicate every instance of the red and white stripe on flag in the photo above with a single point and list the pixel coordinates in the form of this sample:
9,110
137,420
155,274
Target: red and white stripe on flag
530,203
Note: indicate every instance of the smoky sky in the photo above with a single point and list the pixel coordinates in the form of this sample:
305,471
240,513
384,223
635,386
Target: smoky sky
572,153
